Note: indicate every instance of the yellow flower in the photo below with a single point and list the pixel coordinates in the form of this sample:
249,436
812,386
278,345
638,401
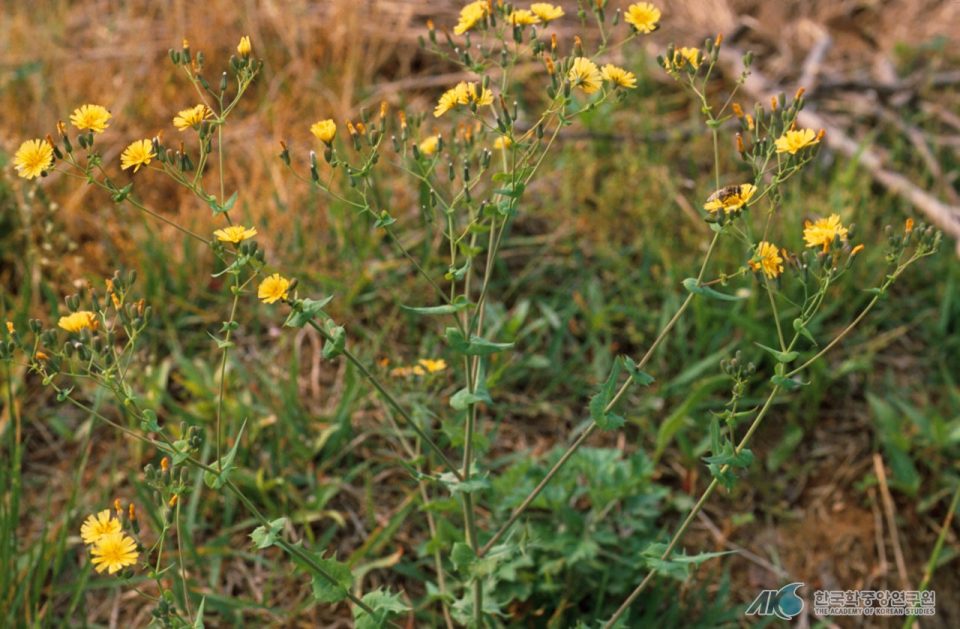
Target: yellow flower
273,288
471,15
96,526
522,17
235,233
793,141
682,56
503,142
619,76
80,320
10,328
429,145
546,11
823,231
93,117
432,366
138,154
585,75
643,16
244,47
730,199
113,552
768,260
324,130
33,158
187,118
462,93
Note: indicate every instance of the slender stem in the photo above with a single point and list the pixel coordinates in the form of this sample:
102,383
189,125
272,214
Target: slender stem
937,549
392,402
572,448
776,315
223,369
693,512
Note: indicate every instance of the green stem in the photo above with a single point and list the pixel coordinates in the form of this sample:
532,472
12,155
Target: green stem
392,402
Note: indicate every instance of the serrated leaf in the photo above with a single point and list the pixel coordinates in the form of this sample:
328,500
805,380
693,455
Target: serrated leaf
266,536
783,357
326,591
640,377
692,285
216,480
384,605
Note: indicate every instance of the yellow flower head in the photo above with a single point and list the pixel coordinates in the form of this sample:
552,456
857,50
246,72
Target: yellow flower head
244,47
10,328
768,260
683,56
33,158
503,142
823,231
138,154
324,130
273,289
730,199
113,552
187,118
93,117
619,76
793,141
643,16
546,11
96,526
585,75
522,17
462,93
429,145
235,233
432,366
80,320
471,15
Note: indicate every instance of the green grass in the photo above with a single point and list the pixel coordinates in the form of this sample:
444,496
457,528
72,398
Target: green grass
592,269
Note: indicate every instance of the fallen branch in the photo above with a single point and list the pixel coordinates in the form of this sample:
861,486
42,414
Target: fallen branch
943,215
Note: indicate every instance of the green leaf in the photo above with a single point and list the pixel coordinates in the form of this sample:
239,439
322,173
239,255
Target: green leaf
783,357
463,398
266,536
460,303
337,343
457,486
605,419
149,421
309,309
384,220
216,480
692,285
198,621
463,558
640,377
476,346
384,605
800,328
787,384
325,591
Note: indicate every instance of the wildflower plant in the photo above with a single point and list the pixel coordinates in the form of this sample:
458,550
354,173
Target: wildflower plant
469,163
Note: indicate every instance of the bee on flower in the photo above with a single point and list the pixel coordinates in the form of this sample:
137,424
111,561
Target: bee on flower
730,199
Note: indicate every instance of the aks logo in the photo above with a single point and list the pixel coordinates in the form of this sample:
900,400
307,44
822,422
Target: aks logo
783,603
